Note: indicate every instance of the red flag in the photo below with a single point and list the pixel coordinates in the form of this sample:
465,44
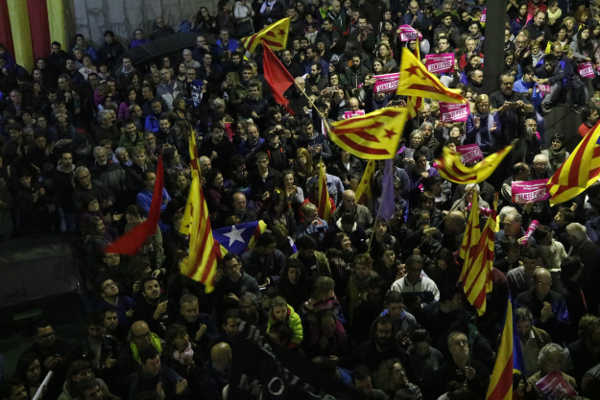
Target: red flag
132,240
277,76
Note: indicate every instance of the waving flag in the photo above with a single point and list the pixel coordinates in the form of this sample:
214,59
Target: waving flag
133,240
471,236
275,36
476,274
451,167
277,76
237,238
324,204
415,80
373,136
204,251
186,220
364,194
579,171
509,360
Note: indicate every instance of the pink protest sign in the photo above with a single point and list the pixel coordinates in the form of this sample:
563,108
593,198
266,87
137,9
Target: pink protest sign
350,114
524,192
408,33
543,88
554,387
483,17
454,112
470,153
586,70
386,82
439,63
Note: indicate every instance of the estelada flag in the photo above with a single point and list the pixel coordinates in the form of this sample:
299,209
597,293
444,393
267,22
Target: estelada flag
372,136
451,167
277,76
275,36
579,171
415,80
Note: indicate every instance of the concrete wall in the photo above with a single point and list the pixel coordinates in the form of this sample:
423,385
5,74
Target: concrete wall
93,17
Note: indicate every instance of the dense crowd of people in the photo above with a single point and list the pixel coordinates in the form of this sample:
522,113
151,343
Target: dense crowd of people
354,306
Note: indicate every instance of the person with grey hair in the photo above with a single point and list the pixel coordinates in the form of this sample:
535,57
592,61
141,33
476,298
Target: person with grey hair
188,60
551,358
541,167
462,203
123,156
531,338
106,127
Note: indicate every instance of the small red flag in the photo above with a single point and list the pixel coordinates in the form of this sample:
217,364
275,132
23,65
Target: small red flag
277,76
133,240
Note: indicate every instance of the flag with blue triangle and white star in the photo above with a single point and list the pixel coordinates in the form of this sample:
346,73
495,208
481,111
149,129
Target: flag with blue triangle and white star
237,238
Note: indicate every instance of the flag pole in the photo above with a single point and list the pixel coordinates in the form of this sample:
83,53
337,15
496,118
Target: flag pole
312,104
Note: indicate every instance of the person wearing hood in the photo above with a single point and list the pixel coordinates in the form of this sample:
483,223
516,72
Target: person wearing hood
282,312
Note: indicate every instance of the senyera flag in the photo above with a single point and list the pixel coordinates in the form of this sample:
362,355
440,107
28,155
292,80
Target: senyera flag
275,36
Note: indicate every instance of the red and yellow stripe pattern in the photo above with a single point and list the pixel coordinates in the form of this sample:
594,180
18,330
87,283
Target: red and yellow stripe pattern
275,36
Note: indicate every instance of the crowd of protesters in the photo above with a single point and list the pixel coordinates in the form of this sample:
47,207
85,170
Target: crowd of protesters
372,305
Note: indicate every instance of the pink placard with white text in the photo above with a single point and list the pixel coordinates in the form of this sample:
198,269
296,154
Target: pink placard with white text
470,153
586,70
454,112
439,63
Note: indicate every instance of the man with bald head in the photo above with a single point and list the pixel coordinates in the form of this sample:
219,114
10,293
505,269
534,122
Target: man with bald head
548,307
349,206
139,336
220,364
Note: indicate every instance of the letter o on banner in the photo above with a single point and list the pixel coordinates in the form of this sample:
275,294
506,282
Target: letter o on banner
276,386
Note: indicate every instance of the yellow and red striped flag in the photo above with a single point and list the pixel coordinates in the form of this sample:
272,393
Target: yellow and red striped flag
415,80
451,167
373,136
509,360
476,274
186,220
579,171
324,204
364,194
204,251
471,236
275,36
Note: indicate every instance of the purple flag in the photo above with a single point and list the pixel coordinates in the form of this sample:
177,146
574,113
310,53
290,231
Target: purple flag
386,206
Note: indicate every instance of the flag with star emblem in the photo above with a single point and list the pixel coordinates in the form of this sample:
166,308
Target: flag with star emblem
237,238
451,167
275,36
415,80
373,136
